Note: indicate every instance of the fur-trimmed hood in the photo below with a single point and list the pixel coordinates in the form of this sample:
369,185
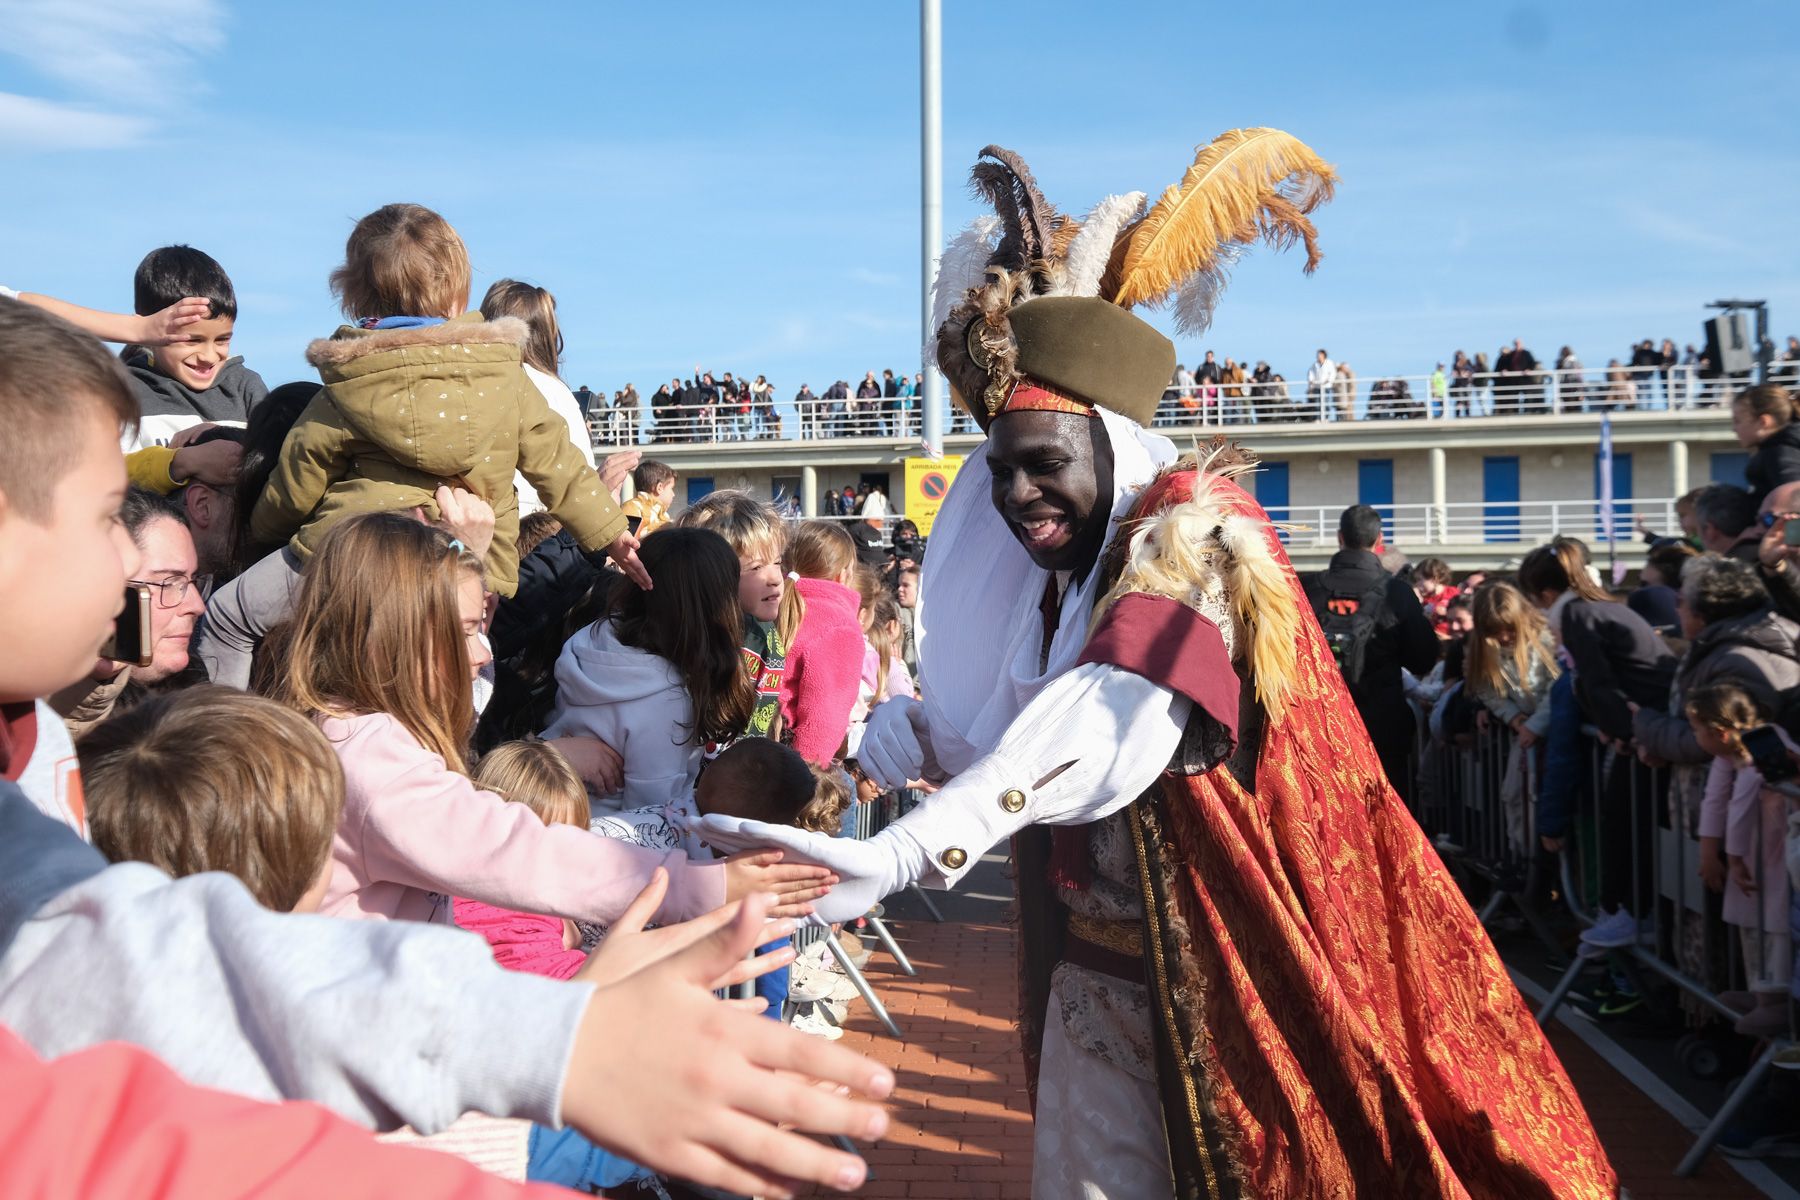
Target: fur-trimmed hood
350,343
441,399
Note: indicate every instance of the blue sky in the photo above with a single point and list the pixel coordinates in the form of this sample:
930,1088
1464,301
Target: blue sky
737,185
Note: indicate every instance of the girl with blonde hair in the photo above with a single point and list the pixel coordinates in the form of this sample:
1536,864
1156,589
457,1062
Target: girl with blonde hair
825,640
385,640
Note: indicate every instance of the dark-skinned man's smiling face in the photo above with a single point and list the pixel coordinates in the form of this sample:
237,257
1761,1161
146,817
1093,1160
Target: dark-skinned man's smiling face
1053,485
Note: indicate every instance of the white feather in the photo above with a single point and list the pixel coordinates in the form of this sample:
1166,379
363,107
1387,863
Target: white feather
962,266
1093,245
1199,294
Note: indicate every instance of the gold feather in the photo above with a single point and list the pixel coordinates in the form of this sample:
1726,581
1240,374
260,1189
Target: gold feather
1246,184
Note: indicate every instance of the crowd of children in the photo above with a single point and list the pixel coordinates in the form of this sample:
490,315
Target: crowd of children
425,712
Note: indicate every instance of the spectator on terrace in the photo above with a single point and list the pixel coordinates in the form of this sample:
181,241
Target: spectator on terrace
1571,390
1438,403
1517,368
1462,385
1319,380
1344,386
1670,359
1206,385
868,405
1645,362
1483,379
1619,391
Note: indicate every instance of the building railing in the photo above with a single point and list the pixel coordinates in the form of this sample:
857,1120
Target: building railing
1276,402
1527,522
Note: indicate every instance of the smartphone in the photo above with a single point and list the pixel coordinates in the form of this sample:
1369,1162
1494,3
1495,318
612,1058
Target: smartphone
130,642
1790,533
1769,753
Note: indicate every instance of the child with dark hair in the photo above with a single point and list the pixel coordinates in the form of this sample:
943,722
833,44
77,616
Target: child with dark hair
653,491
661,675
1749,818
195,377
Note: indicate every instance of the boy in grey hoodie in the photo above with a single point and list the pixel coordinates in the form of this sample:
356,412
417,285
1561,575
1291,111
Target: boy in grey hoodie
195,378
384,1022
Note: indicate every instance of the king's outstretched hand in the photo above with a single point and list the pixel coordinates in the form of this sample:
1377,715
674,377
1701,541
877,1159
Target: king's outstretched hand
867,871
893,751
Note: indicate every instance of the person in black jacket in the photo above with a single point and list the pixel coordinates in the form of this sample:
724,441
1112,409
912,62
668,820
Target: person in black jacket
1401,637
1762,417
1619,663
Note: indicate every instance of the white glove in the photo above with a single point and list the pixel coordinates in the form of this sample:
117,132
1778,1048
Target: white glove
892,752
868,871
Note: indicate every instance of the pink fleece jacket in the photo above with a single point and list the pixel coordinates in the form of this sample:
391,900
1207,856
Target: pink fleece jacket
824,670
415,833
521,941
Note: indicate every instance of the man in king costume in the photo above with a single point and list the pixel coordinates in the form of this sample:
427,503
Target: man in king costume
1245,972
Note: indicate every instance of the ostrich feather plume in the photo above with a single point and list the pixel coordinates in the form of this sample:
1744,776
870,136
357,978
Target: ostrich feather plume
1246,185
962,266
1093,243
1028,218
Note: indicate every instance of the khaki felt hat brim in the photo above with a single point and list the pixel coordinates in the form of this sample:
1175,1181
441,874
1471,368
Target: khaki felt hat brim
1095,350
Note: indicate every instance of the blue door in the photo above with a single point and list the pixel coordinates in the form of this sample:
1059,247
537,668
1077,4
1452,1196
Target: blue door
1375,487
1623,511
699,487
1728,467
1500,498
1271,488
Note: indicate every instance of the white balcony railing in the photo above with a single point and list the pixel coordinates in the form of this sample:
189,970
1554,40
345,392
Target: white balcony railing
1395,398
1525,523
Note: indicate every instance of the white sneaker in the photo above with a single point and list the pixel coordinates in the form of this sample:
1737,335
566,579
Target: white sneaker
808,1020
818,983
1618,929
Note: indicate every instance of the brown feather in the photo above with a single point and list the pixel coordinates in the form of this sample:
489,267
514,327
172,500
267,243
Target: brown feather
1245,185
1027,218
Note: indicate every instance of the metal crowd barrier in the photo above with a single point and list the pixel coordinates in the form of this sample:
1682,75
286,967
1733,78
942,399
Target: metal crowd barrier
1488,833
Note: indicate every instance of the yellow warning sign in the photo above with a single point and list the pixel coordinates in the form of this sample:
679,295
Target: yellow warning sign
928,481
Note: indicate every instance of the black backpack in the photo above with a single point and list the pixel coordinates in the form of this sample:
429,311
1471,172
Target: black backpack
1349,621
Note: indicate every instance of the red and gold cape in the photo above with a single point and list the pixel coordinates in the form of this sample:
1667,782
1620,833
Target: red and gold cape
1332,1019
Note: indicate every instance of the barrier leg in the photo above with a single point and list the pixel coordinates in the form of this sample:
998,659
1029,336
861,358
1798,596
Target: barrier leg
892,947
920,895
1554,1000
1752,1080
863,989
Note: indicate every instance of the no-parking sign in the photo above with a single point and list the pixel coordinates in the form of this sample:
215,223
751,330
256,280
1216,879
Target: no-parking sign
928,481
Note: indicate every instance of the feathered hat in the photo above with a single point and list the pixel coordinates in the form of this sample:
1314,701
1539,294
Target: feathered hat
1040,319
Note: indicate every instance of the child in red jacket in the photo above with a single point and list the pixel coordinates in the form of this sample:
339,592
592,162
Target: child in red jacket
531,773
825,646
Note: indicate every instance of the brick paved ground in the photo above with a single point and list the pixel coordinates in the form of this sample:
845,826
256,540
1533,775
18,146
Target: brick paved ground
963,1129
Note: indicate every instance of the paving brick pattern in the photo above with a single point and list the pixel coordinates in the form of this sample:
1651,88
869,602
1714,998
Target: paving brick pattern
962,1126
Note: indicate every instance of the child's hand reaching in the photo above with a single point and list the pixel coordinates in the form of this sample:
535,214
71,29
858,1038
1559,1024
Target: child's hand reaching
793,886
628,948
667,1076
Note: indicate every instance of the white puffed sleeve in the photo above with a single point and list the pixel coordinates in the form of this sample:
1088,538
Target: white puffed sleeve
1097,737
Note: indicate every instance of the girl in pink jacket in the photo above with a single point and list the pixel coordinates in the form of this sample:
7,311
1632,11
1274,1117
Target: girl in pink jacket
825,647
385,640
534,774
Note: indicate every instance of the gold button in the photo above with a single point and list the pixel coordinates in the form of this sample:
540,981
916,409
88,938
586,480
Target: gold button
953,858
1012,800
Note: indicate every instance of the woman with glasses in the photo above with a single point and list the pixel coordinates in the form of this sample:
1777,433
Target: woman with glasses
169,570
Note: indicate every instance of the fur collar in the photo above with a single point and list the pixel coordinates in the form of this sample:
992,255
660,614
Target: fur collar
350,343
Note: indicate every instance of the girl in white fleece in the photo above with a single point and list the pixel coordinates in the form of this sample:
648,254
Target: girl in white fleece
661,675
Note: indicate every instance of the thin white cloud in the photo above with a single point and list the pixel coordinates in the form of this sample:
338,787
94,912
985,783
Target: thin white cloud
874,278
119,65
27,123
